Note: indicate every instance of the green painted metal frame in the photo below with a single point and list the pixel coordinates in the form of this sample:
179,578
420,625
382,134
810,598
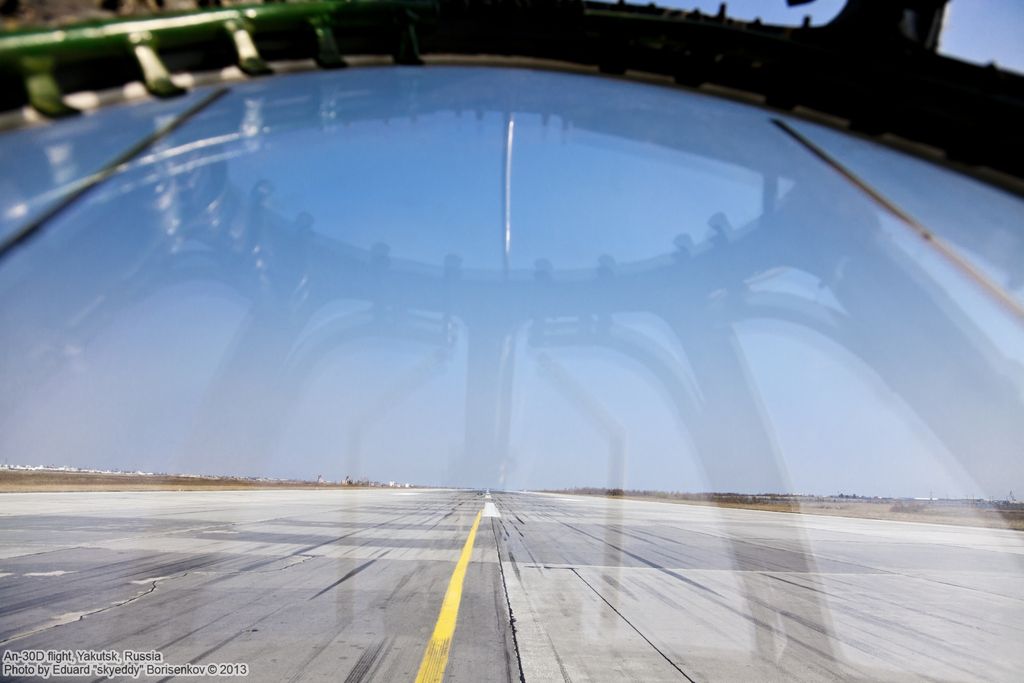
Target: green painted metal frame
863,67
35,54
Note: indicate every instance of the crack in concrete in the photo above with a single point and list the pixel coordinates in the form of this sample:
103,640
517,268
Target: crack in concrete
508,603
72,617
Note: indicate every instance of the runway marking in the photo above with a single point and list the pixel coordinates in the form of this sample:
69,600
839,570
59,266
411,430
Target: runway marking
490,510
57,572
435,658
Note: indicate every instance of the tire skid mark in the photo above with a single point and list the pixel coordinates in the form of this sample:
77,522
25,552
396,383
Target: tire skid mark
315,546
368,660
617,585
71,589
836,580
247,629
867,617
720,600
374,654
344,578
515,565
820,629
652,565
400,584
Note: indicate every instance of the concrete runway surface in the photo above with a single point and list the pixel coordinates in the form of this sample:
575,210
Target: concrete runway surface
348,586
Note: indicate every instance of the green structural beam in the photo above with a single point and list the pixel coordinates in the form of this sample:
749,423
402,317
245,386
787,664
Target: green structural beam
35,55
865,67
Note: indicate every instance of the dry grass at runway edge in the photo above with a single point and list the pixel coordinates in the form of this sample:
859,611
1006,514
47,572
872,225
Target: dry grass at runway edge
885,509
26,481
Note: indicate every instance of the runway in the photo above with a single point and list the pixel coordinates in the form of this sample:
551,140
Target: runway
349,585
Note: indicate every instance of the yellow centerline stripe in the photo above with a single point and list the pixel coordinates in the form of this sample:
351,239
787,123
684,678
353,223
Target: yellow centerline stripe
435,658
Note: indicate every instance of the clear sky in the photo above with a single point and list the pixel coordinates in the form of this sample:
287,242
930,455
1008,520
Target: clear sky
984,31
768,11
514,279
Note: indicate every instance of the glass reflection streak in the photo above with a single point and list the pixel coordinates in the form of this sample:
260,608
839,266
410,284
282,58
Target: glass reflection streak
41,165
362,274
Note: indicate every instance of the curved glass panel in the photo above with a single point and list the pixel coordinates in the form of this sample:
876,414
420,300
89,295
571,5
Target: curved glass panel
981,221
40,166
507,279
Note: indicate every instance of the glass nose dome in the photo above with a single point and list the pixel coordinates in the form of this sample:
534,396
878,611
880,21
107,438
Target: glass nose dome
514,278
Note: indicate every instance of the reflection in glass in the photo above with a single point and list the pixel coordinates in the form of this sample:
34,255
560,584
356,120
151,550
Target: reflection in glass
39,166
368,274
514,279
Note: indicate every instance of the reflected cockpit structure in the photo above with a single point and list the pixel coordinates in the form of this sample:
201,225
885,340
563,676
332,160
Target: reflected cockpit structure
513,279
518,352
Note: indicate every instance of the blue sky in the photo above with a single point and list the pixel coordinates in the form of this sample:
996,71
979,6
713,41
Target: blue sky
311,277
984,31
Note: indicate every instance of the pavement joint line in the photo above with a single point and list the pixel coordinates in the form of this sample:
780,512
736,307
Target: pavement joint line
638,631
508,603
435,657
